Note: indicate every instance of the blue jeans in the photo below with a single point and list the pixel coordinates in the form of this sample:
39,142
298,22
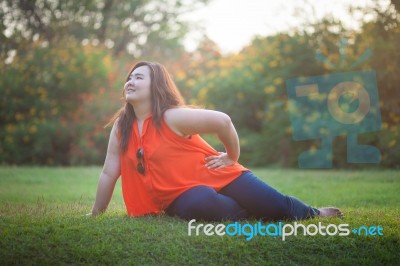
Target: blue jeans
245,197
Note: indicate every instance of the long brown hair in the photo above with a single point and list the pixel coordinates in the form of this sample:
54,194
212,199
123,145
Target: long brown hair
164,95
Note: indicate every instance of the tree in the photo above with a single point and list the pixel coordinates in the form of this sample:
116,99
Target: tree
44,93
119,25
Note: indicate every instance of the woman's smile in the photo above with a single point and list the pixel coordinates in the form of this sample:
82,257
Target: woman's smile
130,88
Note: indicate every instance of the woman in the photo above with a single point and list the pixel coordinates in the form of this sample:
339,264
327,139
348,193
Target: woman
166,167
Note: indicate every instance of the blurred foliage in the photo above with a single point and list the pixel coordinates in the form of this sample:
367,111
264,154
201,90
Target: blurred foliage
140,27
63,64
250,85
62,74
47,105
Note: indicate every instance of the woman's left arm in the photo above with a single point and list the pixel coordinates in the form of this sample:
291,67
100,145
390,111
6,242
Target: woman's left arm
187,121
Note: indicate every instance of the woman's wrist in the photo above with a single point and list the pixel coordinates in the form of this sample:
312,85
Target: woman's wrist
233,154
232,160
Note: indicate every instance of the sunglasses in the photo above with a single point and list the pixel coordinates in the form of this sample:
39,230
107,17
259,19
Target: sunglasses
140,157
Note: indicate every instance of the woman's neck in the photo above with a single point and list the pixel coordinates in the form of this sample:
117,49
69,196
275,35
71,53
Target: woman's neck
142,110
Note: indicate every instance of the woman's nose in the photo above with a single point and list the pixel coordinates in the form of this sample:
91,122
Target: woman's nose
130,83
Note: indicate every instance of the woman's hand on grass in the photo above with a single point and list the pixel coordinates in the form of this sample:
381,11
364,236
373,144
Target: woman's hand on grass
218,161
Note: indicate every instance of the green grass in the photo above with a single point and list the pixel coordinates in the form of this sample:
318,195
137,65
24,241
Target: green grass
42,222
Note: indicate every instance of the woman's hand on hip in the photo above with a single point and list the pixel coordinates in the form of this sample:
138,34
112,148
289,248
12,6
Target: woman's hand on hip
218,161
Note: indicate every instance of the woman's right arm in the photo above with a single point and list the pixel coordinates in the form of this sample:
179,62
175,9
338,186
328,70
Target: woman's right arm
109,175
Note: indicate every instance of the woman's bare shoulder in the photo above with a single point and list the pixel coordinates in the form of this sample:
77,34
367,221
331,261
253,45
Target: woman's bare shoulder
172,114
174,117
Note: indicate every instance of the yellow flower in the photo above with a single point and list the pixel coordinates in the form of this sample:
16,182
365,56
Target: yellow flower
269,89
19,116
190,83
273,64
32,129
180,75
203,93
240,95
32,111
392,143
278,81
10,128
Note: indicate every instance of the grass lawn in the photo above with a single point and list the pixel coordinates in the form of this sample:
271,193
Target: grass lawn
42,222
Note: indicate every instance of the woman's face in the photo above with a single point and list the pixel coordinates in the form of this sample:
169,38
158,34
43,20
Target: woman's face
137,88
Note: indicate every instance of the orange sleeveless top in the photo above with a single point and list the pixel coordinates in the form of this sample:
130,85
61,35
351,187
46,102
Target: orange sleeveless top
173,165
